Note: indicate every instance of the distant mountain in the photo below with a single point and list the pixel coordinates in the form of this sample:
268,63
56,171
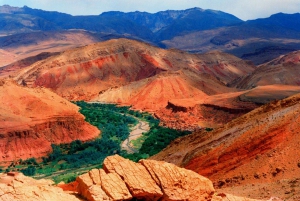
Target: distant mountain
147,26
27,19
167,24
286,21
258,40
195,30
197,20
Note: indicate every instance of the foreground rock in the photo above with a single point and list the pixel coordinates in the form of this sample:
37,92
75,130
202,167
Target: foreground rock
17,187
146,180
135,175
122,179
181,184
33,119
150,180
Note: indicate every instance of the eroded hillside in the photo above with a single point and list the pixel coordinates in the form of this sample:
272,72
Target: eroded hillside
259,147
33,119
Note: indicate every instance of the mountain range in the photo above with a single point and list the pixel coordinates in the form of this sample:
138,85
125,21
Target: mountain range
194,30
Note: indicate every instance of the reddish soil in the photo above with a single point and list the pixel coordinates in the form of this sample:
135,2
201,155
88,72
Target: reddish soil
258,149
216,110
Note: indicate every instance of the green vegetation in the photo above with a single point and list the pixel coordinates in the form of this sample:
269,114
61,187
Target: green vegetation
209,129
154,141
68,160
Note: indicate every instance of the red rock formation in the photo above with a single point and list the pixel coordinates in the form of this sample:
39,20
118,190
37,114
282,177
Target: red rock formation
114,186
146,180
33,119
136,177
257,148
181,185
229,197
82,73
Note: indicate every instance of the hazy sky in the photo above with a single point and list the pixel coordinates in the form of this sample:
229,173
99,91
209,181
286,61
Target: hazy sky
244,9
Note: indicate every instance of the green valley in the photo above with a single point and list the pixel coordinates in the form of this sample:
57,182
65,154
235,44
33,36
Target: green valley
69,160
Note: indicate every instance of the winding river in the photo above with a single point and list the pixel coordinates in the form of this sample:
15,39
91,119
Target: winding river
137,131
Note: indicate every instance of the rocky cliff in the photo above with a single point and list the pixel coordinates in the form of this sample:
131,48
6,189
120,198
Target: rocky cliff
33,119
120,179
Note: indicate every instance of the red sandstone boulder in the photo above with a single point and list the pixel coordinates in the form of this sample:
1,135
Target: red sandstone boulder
146,180
135,175
114,186
179,183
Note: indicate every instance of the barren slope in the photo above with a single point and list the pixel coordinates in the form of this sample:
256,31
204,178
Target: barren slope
32,119
12,66
20,46
283,70
153,93
259,148
82,73
215,110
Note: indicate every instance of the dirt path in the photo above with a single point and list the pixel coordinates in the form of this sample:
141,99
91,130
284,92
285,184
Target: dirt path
136,132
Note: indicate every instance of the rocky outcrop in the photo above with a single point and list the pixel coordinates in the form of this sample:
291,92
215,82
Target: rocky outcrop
181,184
122,179
33,119
17,187
135,176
